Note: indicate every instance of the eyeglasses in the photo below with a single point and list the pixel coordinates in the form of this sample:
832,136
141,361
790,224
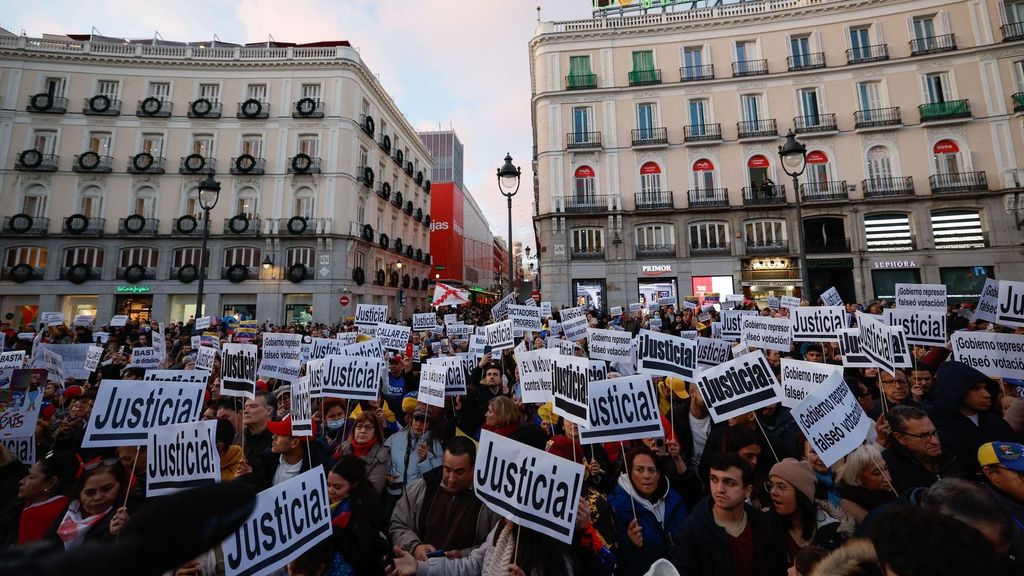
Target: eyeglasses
923,435
364,426
769,486
97,463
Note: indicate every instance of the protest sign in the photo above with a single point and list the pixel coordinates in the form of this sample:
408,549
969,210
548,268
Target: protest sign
817,323
765,332
51,318
288,519
100,337
301,407
352,377
529,302
500,336
206,357
575,328
689,334
459,331
597,370
831,297
622,409
345,338
922,327
181,456
528,486
211,339
366,349
773,303
477,344
545,309
690,304
324,347
72,358
732,323
535,375
500,310
424,322
92,358
83,320
50,361
393,336
368,315
282,356
16,359
126,410
468,362
238,370
922,296
570,313
23,448
634,307
1010,305
667,301
610,345
524,319
20,401
991,353
616,311
832,420
988,303
876,341
450,319
655,322
146,357
900,349
666,355
569,375
712,352
119,320
191,376
202,323
789,301
739,386
564,347
849,347
433,381
800,378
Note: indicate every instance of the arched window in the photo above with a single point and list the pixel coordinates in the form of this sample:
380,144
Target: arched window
192,207
947,157
247,203
145,202
83,255
765,233
138,255
90,202
35,200
188,257
34,256
708,237
303,204
879,166
583,187
757,170
703,175
816,175
650,179
244,255
300,255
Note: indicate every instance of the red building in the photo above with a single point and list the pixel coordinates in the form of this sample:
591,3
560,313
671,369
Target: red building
446,232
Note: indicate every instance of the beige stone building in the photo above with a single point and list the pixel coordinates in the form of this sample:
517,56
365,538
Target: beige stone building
323,194
656,136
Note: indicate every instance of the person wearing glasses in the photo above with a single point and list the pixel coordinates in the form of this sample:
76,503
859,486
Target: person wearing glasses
797,516
914,455
97,513
367,444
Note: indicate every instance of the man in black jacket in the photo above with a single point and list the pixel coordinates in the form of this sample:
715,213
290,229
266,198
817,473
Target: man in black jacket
915,456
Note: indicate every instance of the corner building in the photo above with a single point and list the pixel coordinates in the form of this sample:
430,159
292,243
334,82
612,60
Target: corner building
323,200
656,138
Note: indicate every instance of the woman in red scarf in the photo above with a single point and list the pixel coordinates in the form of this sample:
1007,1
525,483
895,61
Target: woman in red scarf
44,492
94,516
502,416
367,443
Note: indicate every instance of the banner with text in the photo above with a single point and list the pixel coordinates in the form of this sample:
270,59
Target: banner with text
569,375
832,420
126,410
767,333
800,378
739,386
282,356
181,456
666,355
622,409
238,370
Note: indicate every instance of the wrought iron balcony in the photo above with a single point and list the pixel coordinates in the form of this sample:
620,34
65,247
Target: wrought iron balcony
644,77
33,273
303,164
1013,31
240,225
582,140
33,160
253,109
958,182
92,162
92,272
308,108
767,247
702,132
153,107
1018,102
205,108
656,251
948,110
587,254
757,128
580,81
815,123
82,225
832,246
694,73
101,105
300,226
769,195
660,200
825,191
720,249
146,163
808,61
196,164
708,198
246,164
876,117
148,273
587,203
891,187
749,67
933,44
47,103
138,225
26,224
873,53
650,136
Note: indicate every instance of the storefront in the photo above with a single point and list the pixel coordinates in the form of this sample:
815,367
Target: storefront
771,277
182,307
138,307
656,281
239,306
589,293
298,308
964,283
826,273
713,287
886,274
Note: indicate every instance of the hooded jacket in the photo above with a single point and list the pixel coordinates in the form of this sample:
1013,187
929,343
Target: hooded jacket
704,545
661,523
958,433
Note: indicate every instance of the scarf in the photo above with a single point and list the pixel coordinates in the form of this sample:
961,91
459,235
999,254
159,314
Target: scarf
828,483
361,450
341,513
506,431
74,526
501,554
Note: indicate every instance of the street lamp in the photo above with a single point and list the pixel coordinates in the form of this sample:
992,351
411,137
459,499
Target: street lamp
267,262
508,184
209,193
794,161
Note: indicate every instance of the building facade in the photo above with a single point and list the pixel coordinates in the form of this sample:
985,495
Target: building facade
656,139
324,202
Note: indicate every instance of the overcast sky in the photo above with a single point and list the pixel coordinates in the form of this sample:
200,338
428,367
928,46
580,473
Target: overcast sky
445,62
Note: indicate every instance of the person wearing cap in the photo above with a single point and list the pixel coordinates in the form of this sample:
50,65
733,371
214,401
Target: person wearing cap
1002,464
797,516
415,450
288,456
283,396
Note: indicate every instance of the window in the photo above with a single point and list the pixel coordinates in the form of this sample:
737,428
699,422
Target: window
202,144
879,165
924,28
383,128
303,256
99,142
643,61
957,229
311,91
189,257
646,119
588,240
138,256
651,235
808,98
192,207
746,56
303,205
757,170
708,235
860,43
583,186
361,211
90,203
581,124
364,108
108,88
693,60
244,255
703,175
825,233
45,141
309,144
650,180
91,257
765,232
247,203
257,91
750,107
31,255
869,96
160,90
34,201
54,86
153,144
364,160
888,232
937,88
360,260
800,50
145,203
698,116
1014,11
252,144
946,157
816,175
580,73
210,92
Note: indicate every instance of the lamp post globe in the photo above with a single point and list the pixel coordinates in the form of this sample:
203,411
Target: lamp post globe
793,155
508,184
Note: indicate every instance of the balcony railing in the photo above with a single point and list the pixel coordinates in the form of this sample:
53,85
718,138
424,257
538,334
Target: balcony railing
702,132
958,182
876,117
308,108
580,140
873,53
205,108
832,246
299,226
92,226
888,187
708,198
249,226
248,165
196,164
644,77
302,164
138,225
656,251
694,73
933,44
815,123
1018,102
25,224
750,67
722,249
808,61
153,107
589,254
92,162
253,109
33,273
948,110
650,136
101,105
660,200
94,272
147,274
146,163
757,128
829,190
1012,31
35,161
580,81
767,247
47,103
764,195
587,203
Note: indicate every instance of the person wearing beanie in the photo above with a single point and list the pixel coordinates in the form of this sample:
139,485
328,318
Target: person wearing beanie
966,412
802,521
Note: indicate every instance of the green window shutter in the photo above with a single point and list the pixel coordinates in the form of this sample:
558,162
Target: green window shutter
643,60
579,65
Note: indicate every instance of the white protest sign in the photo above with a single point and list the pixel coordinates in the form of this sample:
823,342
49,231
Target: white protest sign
433,381
301,407
610,345
51,362
545,309
369,315
324,347
367,349
622,409
570,313
849,347
289,518
238,370
16,359
202,323
712,352
634,307
732,323
455,382
477,345
689,305
817,323
831,297
19,411
352,377
119,320
575,329
459,331
450,319
767,333
23,448
524,319
616,311
500,309
83,320
667,301
424,322
500,336
876,340
800,378
126,410
988,304
528,486
101,337
206,357
739,386
535,375
92,358
146,357
282,356
900,349
569,375
922,327
991,353
1010,309
597,370
191,376
344,338
789,301
773,303
666,355
393,336
52,318
923,296
181,456
832,420
72,358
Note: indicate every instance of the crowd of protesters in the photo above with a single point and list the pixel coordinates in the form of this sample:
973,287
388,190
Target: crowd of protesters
938,487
